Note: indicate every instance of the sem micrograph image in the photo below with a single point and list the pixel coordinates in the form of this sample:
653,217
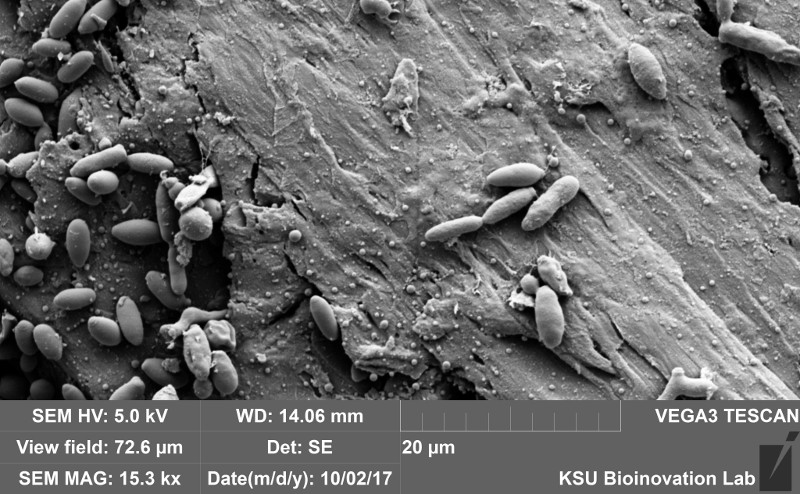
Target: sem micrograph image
409,199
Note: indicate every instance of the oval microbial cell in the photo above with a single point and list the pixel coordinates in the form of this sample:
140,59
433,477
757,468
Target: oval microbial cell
221,335
131,390
175,191
24,112
529,284
78,64
36,89
551,273
167,393
51,48
154,369
560,193
78,242
378,7
105,331
324,317
516,175
48,342
28,276
80,190
96,18
10,70
28,363
23,189
647,71
130,321
224,375
197,352
190,194
159,286
102,182
453,228
6,258
168,182
23,334
107,158
44,134
74,298
203,389
39,246
68,113
67,18
177,273
42,389
508,204
549,317
767,43
21,163
137,232
71,392
166,214
214,208
149,163
196,224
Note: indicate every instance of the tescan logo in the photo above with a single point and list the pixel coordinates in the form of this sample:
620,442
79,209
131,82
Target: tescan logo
775,465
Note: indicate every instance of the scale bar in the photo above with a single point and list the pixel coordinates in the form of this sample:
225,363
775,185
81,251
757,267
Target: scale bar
514,423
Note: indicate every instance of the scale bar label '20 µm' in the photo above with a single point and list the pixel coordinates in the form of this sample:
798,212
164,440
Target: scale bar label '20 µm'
400,447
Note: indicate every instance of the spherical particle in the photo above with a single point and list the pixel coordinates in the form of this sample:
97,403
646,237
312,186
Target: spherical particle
38,246
196,224
102,182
